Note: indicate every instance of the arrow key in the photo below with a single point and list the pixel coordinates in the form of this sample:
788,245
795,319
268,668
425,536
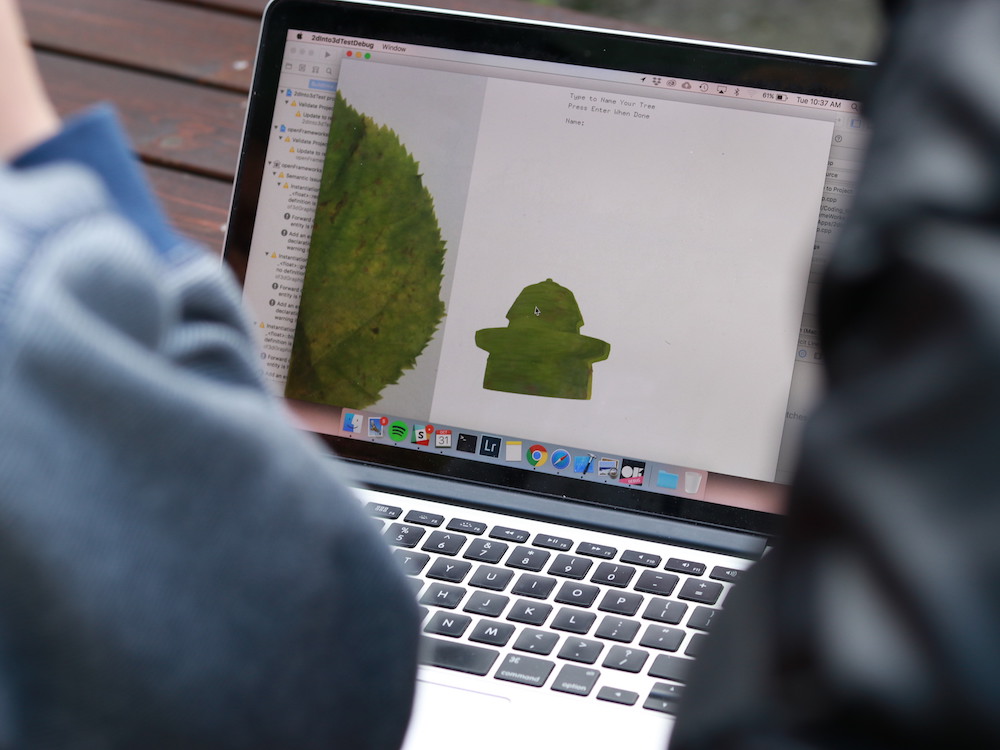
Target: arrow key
614,695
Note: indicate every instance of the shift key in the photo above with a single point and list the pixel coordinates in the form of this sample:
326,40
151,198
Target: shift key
458,656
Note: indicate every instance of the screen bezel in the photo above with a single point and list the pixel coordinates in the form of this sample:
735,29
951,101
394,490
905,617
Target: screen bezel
823,77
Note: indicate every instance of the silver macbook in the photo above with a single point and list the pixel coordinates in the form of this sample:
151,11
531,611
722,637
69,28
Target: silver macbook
549,292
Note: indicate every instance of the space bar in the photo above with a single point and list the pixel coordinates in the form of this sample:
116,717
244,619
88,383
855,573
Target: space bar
458,656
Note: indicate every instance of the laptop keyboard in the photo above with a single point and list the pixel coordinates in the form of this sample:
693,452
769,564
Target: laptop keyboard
578,612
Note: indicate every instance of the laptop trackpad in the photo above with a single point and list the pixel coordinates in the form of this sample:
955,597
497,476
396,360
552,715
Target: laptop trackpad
448,718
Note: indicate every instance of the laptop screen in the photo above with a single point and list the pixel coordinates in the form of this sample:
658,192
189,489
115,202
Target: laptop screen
575,263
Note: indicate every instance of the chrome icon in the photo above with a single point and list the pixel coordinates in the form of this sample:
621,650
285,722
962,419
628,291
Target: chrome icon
537,455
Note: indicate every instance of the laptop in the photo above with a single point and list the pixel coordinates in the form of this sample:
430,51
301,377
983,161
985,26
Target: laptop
549,292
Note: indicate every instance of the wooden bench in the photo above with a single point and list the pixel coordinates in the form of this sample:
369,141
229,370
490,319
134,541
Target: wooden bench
178,72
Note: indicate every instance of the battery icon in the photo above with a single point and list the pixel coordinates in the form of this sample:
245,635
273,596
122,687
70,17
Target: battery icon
781,97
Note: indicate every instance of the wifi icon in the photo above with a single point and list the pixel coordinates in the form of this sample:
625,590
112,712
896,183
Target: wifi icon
398,431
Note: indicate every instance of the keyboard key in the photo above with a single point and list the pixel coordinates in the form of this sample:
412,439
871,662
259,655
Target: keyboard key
662,638
526,558
443,595
685,566
664,706
626,659
581,650
466,527
613,574
493,633
448,623
618,629
379,510
720,573
654,582
458,656
596,550
412,562
444,542
526,670
568,566
667,667
579,594
424,519
573,621
706,592
536,641
614,695
530,613
487,604
487,577
553,542
446,569
664,610
664,698
537,587
641,558
701,618
404,535
667,691
621,602
575,680
694,646
509,535
485,551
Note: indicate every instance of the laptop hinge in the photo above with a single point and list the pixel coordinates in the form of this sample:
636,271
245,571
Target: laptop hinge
540,507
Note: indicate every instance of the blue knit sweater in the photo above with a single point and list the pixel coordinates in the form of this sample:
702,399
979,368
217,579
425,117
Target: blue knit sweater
179,566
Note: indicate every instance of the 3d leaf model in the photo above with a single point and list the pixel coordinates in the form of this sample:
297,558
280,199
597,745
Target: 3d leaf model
371,295
541,352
